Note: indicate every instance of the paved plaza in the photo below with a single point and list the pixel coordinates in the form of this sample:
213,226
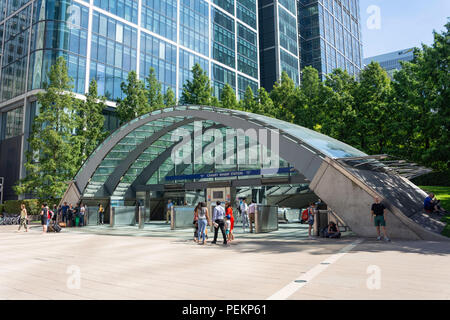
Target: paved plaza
156,263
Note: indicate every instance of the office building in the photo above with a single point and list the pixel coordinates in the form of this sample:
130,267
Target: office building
105,40
391,61
330,35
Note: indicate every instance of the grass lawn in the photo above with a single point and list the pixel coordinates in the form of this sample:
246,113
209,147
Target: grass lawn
443,194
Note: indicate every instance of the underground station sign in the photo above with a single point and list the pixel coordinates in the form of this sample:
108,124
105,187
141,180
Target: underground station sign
225,174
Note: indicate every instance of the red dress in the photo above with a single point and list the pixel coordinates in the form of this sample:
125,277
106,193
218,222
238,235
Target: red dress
230,212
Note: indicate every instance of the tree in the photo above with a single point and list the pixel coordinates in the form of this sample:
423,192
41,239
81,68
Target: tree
248,103
169,98
136,102
197,91
422,90
228,97
337,103
282,95
306,102
153,86
54,151
90,128
374,110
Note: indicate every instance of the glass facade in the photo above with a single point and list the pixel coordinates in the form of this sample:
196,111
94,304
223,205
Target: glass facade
278,38
330,35
106,39
391,61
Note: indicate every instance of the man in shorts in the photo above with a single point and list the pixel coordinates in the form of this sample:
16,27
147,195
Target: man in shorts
378,211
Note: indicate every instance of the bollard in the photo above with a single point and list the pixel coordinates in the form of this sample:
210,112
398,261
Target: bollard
141,217
111,217
172,219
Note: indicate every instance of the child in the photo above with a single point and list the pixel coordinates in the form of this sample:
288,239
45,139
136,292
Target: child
228,227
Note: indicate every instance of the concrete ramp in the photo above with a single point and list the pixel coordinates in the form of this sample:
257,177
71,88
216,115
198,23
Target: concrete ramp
350,191
72,194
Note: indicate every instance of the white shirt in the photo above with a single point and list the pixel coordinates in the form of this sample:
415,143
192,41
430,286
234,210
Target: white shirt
244,207
219,213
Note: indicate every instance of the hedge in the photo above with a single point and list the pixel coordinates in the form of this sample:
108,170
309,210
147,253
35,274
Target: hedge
433,179
32,205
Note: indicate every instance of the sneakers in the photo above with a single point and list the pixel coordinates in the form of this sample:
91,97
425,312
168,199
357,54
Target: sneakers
213,242
379,238
387,239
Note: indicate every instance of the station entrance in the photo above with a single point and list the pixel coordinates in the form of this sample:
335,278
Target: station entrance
230,155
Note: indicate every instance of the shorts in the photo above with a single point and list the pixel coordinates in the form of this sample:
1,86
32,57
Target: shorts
227,232
379,221
44,221
311,222
251,216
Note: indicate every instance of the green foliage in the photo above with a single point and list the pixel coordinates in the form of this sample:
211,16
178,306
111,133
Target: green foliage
422,93
228,97
33,206
136,101
169,98
90,128
54,152
283,96
153,86
198,91
443,194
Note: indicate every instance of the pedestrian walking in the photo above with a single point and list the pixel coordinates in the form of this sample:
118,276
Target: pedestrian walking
44,217
312,211
219,223
378,213
203,220
23,217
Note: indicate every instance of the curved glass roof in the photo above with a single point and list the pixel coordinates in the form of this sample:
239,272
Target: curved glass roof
329,146
132,135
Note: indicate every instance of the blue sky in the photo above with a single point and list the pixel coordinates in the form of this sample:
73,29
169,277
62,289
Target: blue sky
403,24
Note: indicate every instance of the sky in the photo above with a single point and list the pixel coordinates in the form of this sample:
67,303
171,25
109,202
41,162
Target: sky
402,24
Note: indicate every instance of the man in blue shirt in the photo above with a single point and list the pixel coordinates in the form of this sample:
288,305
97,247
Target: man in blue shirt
64,209
432,206
218,217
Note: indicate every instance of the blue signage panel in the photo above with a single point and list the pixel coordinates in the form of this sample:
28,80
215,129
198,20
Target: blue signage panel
226,174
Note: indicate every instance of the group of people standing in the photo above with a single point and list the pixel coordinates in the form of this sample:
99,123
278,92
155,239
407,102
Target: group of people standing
70,215
222,218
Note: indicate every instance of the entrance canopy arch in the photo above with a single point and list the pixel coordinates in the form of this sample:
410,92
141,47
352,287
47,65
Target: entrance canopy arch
302,148
139,153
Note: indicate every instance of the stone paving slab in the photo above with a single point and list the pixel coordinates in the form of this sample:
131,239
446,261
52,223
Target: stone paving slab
139,266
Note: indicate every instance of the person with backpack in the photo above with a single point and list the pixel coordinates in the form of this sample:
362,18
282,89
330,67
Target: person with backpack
251,214
44,217
203,221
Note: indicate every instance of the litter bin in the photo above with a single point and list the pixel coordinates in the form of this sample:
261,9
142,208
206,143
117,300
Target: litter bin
77,221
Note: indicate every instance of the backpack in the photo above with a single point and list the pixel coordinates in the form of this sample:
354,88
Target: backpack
305,215
50,214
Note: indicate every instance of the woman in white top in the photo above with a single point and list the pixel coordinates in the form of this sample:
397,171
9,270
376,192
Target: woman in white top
203,221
